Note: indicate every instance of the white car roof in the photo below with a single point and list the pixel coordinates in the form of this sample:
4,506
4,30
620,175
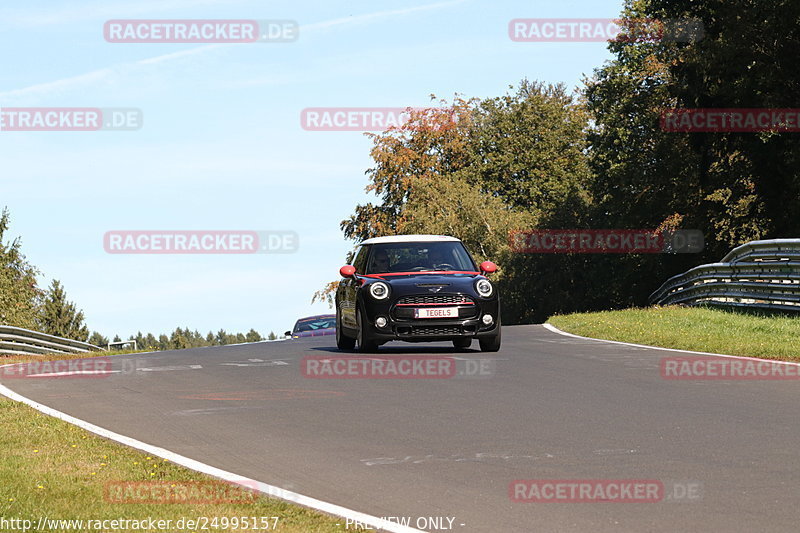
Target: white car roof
411,238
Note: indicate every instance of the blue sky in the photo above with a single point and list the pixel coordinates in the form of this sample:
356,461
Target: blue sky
222,146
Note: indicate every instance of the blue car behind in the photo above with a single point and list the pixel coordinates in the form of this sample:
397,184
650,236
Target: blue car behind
313,326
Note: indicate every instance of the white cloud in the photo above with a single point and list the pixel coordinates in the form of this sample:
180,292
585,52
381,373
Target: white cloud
91,78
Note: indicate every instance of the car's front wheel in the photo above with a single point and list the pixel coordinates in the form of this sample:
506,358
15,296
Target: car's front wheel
343,342
490,344
365,343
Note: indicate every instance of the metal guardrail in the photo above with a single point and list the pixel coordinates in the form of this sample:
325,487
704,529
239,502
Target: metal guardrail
20,341
759,274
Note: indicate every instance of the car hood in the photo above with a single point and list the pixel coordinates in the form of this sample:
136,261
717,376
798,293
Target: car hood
424,282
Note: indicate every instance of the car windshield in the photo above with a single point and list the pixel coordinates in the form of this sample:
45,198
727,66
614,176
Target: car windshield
313,324
419,257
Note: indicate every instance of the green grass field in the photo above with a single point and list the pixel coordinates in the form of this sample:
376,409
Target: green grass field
768,336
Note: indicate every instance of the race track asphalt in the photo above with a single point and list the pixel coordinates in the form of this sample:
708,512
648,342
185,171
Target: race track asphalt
546,407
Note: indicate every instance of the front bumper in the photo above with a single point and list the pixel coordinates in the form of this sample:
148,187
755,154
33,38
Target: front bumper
401,326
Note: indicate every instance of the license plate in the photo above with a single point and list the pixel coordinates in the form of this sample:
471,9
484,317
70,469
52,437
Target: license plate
436,312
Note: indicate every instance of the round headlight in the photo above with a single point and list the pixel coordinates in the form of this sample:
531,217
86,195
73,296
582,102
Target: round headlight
379,290
484,288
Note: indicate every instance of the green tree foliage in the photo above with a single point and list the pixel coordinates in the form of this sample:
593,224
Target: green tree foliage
642,176
97,339
183,338
253,336
150,341
452,206
178,340
20,299
749,182
630,155
735,187
527,148
60,317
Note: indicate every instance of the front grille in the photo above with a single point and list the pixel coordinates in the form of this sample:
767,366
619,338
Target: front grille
431,330
435,299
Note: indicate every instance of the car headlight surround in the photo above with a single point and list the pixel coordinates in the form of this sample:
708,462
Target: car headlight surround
484,288
379,290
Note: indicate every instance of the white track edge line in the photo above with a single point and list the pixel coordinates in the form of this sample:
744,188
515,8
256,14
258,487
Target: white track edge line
269,490
554,329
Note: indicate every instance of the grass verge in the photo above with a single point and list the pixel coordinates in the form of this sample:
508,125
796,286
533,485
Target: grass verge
769,336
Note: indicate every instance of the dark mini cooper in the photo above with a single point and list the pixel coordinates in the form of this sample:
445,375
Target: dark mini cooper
416,288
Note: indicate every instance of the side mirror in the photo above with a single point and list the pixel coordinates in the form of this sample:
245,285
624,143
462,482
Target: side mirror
347,271
287,334
488,267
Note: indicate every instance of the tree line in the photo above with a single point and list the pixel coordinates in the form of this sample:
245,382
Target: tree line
26,305
543,157
184,338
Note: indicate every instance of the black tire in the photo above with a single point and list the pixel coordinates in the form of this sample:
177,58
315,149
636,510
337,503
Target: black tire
490,344
462,343
343,342
365,344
